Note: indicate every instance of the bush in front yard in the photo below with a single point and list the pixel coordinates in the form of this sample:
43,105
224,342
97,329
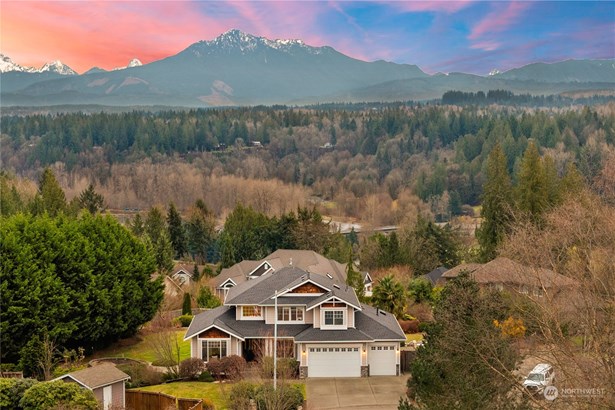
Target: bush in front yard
286,397
191,368
183,320
206,377
240,395
288,368
58,394
231,367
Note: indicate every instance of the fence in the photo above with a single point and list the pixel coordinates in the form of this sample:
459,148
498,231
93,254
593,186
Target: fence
11,375
145,400
406,357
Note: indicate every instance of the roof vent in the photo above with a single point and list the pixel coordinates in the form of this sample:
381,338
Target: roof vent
329,276
290,261
336,286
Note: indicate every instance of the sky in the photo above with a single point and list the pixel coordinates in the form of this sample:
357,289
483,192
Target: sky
467,36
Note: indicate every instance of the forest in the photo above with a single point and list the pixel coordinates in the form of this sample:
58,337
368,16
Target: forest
375,164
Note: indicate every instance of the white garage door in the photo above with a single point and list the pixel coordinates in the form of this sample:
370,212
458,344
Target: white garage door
382,360
334,361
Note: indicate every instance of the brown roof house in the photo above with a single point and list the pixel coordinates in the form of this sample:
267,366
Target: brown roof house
309,261
503,273
311,317
106,382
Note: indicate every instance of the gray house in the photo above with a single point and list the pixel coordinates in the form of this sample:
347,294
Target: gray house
106,382
320,322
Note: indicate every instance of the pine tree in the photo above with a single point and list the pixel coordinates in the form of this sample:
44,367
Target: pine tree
177,233
572,182
50,197
552,182
187,305
355,279
91,200
496,204
532,196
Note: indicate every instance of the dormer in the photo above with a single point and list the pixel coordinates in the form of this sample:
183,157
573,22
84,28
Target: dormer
260,270
333,313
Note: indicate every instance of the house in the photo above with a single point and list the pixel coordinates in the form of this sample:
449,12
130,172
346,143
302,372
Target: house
182,274
320,323
503,273
106,382
434,276
309,261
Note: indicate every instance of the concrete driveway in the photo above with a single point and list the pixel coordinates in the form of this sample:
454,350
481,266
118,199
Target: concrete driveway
366,393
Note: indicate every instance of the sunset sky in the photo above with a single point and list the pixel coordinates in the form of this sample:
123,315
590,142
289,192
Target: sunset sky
466,36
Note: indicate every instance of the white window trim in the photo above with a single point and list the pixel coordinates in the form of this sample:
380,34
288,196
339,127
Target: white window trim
291,321
261,317
228,346
344,325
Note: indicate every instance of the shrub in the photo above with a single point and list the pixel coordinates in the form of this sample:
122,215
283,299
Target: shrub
140,375
51,395
215,367
183,320
12,390
206,377
187,305
208,404
234,366
288,368
240,395
191,368
286,397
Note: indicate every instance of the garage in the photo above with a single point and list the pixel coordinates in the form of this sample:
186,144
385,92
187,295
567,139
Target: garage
382,360
334,361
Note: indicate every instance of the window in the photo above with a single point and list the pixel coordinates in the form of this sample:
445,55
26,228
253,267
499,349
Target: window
290,314
251,311
213,349
334,318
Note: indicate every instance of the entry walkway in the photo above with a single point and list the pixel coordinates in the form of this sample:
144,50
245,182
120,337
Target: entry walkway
365,393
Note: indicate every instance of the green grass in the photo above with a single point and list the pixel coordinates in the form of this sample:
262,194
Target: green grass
140,348
214,392
416,337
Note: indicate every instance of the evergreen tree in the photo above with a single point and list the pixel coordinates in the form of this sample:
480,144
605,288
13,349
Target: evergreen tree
177,233
552,182
206,299
200,233
91,200
532,195
50,197
355,279
496,205
196,274
187,305
572,182
158,241
136,225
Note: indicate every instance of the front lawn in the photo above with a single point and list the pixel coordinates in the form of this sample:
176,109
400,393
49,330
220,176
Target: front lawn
140,347
214,392
414,337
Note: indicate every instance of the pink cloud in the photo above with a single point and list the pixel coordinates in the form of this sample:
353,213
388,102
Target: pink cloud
498,20
78,32
487,45
433,6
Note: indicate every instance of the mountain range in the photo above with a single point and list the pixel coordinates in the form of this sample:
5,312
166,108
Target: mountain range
241,69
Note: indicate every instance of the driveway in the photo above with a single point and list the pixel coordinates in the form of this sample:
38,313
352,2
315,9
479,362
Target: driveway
366,393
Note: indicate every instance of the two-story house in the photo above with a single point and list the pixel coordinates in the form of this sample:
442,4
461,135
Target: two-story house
320,323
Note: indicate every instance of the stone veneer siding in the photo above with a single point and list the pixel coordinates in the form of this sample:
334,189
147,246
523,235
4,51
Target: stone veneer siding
365,371
303,372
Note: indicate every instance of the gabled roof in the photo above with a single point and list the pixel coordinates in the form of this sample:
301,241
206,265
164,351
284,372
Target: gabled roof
504,270
309,261
261,291
332,296
97,376
211,318
378,324
434,275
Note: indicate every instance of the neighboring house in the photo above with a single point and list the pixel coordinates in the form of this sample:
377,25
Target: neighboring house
503,273
309,261
182,274
320,323
106,382
434,276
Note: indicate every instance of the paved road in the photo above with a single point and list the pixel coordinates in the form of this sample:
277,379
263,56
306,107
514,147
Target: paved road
367,393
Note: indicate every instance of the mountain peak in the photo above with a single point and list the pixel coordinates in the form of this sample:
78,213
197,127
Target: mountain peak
59,67
135,62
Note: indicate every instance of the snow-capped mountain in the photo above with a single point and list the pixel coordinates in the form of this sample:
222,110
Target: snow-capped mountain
57,67
495,71
135,62
6,65
236,40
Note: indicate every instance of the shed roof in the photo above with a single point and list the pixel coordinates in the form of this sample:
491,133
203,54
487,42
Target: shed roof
97,376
